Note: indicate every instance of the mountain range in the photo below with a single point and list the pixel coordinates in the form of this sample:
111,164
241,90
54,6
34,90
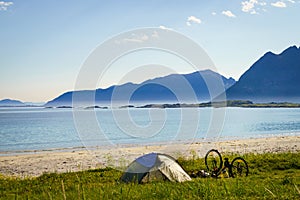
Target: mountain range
272,78
10,103
162,89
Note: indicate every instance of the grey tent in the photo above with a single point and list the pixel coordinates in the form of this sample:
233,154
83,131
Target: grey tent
154,166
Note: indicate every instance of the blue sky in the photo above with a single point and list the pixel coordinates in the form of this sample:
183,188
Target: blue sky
44,43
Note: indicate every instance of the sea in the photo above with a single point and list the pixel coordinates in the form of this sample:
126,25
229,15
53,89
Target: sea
32,129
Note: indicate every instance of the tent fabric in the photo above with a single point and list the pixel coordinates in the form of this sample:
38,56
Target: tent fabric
154,166
172,170
148,160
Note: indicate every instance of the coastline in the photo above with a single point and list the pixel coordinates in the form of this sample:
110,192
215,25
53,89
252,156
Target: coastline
35,163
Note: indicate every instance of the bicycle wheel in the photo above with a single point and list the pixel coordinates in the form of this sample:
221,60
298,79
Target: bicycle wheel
213,162
239,167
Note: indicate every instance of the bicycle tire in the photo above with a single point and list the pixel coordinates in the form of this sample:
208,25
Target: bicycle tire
239,167
213,162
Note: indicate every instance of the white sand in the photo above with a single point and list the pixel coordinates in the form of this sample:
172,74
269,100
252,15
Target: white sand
37,163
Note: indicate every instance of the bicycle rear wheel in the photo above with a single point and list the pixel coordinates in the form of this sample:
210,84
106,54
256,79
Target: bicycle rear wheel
239,167
213,162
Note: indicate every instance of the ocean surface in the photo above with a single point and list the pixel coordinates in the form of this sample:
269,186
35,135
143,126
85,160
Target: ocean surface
30,129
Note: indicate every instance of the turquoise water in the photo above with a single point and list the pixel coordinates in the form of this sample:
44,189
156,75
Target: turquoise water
42,129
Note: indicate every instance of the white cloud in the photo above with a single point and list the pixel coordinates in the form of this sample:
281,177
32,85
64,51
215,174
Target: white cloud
248,6
193,19
214,13
228,13
164,28
279,4
5,4
137,38
291,1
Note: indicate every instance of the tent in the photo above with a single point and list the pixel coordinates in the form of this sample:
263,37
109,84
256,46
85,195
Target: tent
154,166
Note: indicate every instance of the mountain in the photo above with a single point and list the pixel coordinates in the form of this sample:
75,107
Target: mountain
273,78
160,89
11,103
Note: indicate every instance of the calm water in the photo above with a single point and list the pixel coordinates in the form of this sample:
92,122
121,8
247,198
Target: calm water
40,128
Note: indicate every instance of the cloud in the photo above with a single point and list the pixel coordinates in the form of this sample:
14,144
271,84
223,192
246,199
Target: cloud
135,38
291,1
139,38
5,4
164,28
214,13
279,4
193,19
250,6
228,13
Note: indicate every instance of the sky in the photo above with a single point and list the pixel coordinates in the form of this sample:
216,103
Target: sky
43,44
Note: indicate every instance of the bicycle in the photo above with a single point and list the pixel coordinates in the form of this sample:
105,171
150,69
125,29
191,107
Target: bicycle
214,163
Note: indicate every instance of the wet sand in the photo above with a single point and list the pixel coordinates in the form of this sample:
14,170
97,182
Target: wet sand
35,163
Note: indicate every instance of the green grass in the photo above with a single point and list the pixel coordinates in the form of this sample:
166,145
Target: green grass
272,176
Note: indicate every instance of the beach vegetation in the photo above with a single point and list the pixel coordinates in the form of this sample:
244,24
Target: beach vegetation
271,176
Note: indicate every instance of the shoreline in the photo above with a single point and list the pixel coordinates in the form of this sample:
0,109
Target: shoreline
36,163
129,145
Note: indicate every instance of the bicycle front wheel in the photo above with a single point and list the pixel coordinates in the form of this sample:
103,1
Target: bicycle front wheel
213,162
239,167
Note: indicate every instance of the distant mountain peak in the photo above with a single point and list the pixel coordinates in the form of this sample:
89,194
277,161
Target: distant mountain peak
289,50
274,77
11,102
294,47
269,53
293,50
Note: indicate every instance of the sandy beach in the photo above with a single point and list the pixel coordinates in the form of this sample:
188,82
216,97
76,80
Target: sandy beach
28,164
